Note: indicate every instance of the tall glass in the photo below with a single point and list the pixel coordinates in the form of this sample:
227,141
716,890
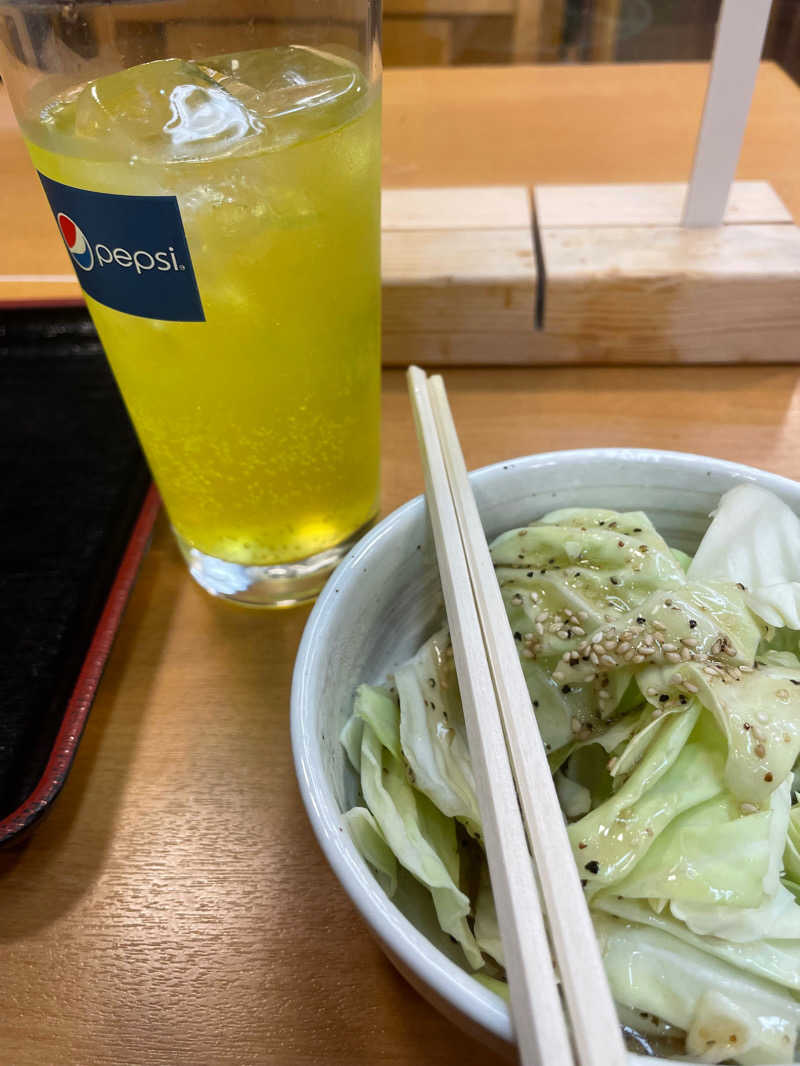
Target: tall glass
214,171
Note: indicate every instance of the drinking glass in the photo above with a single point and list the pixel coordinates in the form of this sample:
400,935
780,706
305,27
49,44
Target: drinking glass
214,172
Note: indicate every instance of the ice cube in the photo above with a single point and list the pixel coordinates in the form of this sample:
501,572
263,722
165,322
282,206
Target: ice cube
169,109
289,79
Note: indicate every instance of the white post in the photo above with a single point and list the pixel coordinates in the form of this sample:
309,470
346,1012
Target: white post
739,41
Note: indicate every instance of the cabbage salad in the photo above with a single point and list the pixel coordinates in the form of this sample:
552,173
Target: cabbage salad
667,693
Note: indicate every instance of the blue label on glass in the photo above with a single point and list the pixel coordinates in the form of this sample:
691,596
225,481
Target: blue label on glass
130,252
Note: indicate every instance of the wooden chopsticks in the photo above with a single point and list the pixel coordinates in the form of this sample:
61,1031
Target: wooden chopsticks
507,749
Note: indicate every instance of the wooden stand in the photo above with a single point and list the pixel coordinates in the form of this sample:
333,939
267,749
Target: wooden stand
595,274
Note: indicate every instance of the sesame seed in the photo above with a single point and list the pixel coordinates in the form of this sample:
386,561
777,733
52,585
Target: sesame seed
609,660
611,645
690,687
576,725
673,657
595,658
542,616
686,654
657,712
638,659
748,808
516,599
597,638
690,642
746,669
760,751
526,653
591,676
540,629
757,734
534,597
563,634
651,691
669,647
582,615
710,670
659,625
604,694
578,631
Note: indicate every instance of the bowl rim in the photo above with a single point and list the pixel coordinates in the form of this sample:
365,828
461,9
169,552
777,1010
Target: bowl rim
450,983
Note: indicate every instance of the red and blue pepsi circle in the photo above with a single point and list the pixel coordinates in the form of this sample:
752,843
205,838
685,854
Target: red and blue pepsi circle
75,240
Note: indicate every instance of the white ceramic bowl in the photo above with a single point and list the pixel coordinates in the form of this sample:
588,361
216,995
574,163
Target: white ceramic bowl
380,605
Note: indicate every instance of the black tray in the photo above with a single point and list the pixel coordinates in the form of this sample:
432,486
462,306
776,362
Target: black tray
76,511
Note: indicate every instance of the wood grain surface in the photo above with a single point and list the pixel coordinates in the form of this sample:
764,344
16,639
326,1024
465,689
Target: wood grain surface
517,125
174,909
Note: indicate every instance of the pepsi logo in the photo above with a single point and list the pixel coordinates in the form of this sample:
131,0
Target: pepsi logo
75,240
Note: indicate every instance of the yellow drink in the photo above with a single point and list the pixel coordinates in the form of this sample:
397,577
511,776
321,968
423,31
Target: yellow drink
260,423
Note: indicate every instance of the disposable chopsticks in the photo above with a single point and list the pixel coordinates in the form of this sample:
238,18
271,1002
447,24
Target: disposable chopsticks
539,1024
502,731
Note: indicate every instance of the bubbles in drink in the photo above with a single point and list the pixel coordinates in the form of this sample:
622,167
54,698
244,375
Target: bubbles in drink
260,423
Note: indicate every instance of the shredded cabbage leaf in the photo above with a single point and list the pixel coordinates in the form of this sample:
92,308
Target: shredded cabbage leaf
667,692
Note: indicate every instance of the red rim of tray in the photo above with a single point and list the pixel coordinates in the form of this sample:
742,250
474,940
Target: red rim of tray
77,709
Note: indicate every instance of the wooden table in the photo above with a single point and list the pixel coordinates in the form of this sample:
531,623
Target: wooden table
174,910
479,126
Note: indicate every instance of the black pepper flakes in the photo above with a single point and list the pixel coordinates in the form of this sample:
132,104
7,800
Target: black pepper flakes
614,580
593,866
663,697
641,621
517,635
565,689
692,624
